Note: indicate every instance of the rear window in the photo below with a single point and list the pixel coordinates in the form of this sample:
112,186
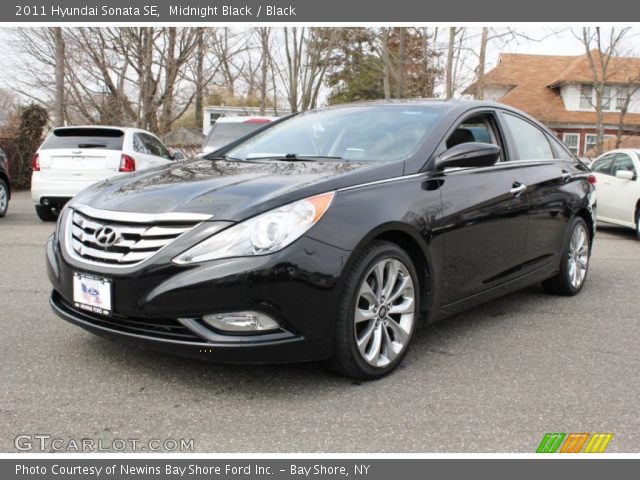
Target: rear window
222,134
97,138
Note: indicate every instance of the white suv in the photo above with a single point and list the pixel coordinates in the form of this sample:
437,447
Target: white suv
72,158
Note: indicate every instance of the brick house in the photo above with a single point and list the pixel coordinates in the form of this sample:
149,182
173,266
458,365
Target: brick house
558,91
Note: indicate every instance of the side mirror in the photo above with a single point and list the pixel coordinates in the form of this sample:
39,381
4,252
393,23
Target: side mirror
470,154
625,174
176,154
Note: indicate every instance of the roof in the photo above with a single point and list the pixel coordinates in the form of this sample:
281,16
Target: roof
533,80
183,137
619,70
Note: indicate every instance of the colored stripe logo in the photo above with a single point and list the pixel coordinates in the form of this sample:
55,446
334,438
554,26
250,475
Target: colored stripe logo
574,442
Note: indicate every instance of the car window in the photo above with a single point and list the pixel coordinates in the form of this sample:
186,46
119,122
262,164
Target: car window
149,145
139,145
603,165
622,161
530,141
81,138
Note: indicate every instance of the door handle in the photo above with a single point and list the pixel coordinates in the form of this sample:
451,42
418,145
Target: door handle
518,189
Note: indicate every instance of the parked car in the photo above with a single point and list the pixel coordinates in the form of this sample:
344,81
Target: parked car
229,129
5,183
72,158
618,193
331,234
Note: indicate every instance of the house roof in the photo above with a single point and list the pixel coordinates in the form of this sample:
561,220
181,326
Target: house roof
619,70
533,80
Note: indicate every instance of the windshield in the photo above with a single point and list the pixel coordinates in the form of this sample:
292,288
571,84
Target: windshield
362,133
96,138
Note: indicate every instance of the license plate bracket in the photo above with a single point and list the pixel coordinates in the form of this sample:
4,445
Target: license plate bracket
92,293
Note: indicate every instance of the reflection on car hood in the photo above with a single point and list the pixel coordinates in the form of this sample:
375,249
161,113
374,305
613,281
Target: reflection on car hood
227,190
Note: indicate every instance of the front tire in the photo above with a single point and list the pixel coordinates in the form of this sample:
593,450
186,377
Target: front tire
638,224
574,264
4,198
45,214
378,313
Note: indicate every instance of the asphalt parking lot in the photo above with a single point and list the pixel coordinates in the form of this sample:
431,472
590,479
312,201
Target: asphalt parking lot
493,379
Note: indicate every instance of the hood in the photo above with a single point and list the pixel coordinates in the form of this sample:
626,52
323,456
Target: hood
228,190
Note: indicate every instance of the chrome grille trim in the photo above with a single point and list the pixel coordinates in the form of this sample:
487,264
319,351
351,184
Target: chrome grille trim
139,237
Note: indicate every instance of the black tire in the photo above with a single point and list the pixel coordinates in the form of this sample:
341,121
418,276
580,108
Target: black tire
347,358
638,223
4,193
561,284
46,214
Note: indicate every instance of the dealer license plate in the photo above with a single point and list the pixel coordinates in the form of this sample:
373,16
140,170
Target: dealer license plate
92,293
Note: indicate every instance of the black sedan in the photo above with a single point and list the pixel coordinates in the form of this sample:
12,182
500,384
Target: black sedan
331,234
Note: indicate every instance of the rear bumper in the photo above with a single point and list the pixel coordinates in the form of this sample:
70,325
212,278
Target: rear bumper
41,189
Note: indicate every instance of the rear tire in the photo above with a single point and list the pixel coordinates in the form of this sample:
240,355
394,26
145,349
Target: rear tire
574,264
4,198
46,214
638,224
378,313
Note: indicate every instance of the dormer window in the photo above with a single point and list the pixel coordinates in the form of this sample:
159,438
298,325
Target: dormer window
586,96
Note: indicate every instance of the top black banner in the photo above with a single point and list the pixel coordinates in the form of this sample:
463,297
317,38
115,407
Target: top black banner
295,11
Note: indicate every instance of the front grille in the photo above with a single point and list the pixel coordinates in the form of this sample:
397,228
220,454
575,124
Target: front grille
128,242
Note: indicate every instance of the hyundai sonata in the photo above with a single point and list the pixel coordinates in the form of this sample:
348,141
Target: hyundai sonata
331,234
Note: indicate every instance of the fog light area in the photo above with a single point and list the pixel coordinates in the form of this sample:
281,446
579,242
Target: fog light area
241,322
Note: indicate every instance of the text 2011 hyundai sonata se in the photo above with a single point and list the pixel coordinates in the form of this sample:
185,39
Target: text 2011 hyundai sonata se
328,235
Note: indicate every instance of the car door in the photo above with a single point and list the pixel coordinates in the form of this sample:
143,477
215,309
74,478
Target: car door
484,219
624,192
549,189
605,194
149,151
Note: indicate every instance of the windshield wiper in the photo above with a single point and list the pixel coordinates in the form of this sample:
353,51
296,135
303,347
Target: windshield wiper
294,157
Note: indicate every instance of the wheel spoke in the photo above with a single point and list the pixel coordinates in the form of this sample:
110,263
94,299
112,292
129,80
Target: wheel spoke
363,315
391,277
363,341
379,274
402,308
368,294
399,334
376,344
404,282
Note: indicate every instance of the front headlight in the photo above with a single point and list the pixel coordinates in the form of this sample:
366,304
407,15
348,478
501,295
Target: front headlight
266,233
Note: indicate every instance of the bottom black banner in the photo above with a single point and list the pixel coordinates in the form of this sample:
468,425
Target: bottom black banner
290,469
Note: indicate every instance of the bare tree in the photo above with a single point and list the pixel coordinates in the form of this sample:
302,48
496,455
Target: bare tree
307,58
630,88
199,74
59,74
600,49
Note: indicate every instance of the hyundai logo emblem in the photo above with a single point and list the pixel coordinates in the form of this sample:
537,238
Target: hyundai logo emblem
106,236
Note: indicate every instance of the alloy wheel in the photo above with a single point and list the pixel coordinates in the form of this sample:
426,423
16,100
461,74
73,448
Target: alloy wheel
578,256
384,312
3,198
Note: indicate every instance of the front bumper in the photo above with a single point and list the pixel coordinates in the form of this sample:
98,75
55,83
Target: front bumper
160,305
